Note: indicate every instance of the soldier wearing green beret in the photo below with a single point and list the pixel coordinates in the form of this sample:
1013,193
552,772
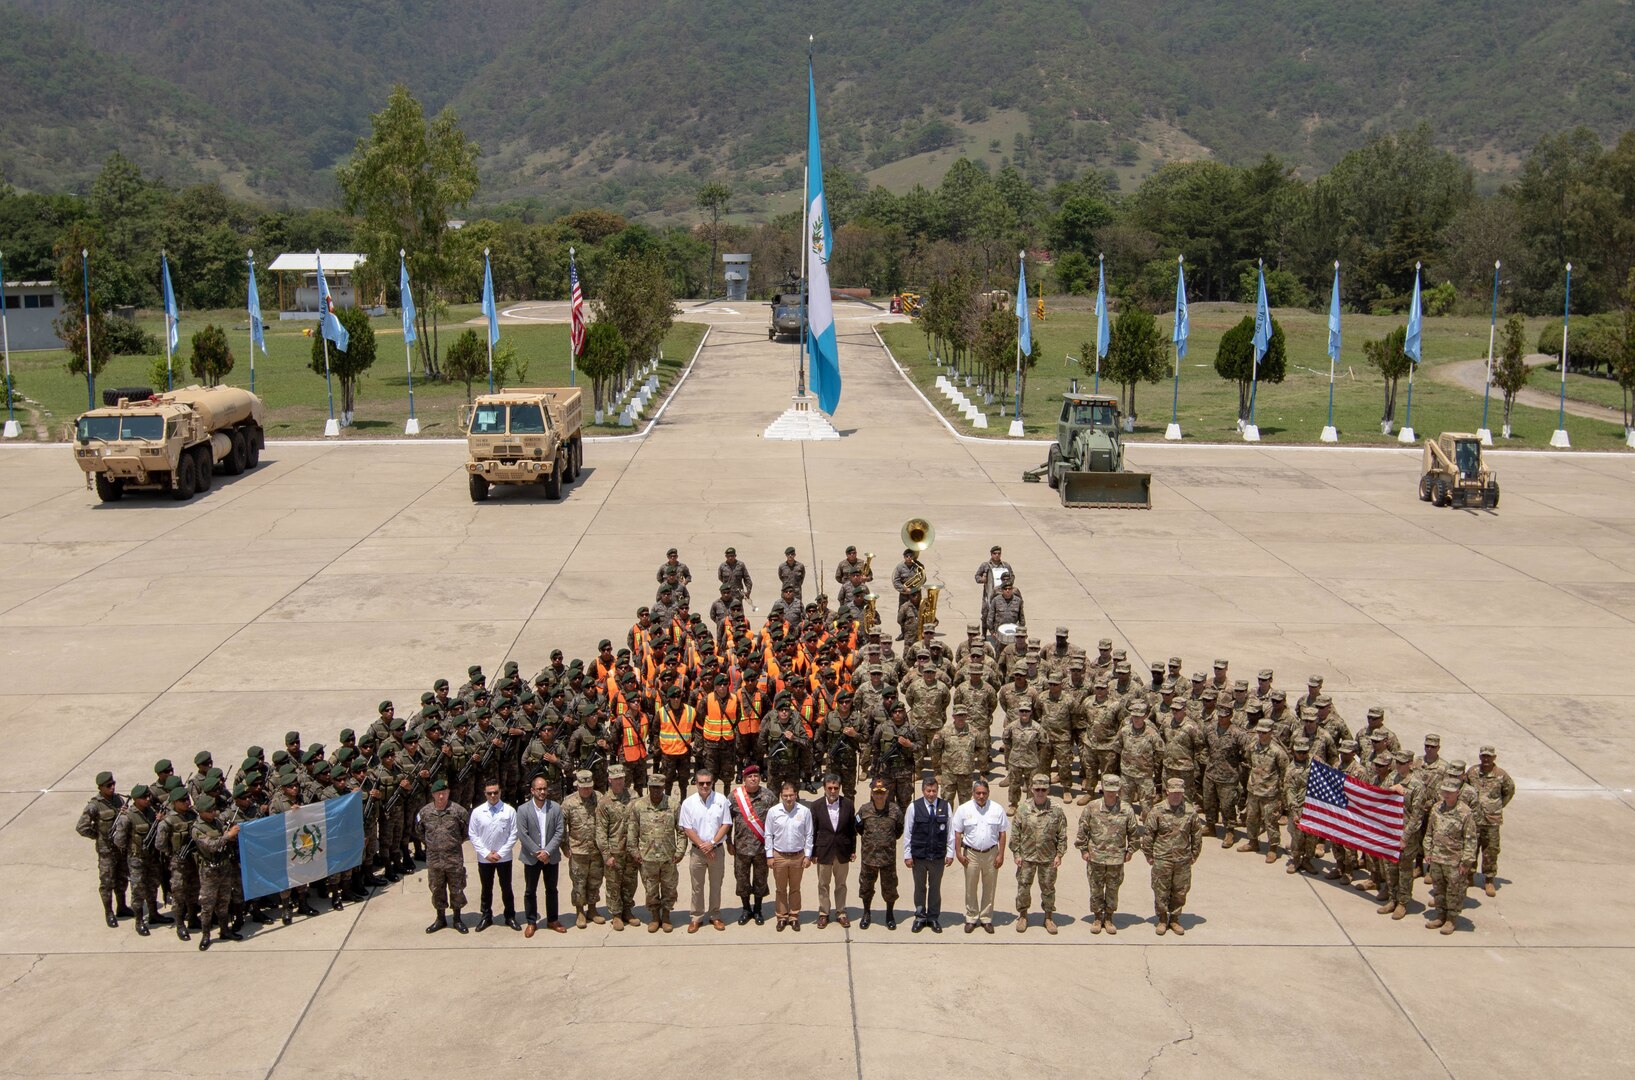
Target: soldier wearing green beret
211,843
441,825
131,834
96,823
175,832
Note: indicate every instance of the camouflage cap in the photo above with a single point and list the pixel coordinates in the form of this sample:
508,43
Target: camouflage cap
1041,782
1278,695
1322,701
1122,668
1022,707
615,772
584,778
1220,665
1403,757
1076,662
1105,644
1315,682
1264,675
1381,759
961,709
1111,782
1380,736
1452,785
1061,631
1198,676
1487,751
1054,678
1457,766
656,780
1240,684
1175,785
1433,739
1175,661
1301,744
973,629
1138,708
1348,746
1376,713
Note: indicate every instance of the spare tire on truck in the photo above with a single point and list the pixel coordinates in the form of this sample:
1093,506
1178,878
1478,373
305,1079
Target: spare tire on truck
112,395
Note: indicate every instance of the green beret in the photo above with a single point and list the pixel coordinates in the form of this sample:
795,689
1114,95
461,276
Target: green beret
104,778
172,782
383,706
255,752
214,774
178,795
308,754
389,747
163,765
439,784
288,779
345,754
427,697
202,757
440,684
321,769
205,804
140,791
475,671
348,733
240,791
291,738
280,757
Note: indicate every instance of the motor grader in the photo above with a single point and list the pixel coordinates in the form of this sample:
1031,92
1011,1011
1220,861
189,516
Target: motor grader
1454,474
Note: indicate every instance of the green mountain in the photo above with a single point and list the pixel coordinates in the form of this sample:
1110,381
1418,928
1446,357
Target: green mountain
631,102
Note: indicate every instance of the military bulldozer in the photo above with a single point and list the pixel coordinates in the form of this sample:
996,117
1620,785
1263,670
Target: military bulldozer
1086,462
1454,474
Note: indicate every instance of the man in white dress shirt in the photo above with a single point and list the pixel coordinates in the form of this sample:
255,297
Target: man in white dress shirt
705,819
979,828
493,832
788,852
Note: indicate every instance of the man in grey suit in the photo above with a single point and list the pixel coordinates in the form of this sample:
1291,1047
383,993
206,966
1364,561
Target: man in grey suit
539,842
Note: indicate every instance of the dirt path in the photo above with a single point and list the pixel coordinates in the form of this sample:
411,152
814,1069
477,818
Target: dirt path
1471,374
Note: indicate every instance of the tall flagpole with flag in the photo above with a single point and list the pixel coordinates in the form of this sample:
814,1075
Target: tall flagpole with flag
258,329
329,329
576,316
1183,330
406,301
493,316
1103,336
1559,439
1330,434
1263,341
173,319
1484,433
85,286
1024,333
13,429
1411,344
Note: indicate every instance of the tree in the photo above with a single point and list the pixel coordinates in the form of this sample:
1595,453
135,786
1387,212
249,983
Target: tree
71,326
1136,353
1234,359
466,359
713,199
405,181
636,298
1389,357
1509,371
602,358
347,367
1623,368
212,358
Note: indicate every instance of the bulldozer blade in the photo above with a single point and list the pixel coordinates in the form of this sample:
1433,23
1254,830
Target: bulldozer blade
1110,490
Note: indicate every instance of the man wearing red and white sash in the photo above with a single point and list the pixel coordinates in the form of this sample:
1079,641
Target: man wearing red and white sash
750,802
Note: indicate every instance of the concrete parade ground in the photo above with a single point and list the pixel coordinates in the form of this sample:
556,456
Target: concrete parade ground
300,594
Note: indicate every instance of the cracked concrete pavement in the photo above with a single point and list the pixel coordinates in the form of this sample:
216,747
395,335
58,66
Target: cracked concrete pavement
334,575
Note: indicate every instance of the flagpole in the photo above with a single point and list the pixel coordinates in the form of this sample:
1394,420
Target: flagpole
1330,435
85,283
1101,313
1559,439
249,255
1254,370
805,243
1021,261
1492,333
13,429
1406,435
573,355
1174,430
170,382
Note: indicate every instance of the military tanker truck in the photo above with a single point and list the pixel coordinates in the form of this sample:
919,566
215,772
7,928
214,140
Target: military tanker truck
173,442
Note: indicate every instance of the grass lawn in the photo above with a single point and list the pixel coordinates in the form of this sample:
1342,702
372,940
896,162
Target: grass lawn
294,395
1587,388
1293,411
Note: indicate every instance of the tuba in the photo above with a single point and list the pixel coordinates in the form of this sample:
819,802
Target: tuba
920,534
868,566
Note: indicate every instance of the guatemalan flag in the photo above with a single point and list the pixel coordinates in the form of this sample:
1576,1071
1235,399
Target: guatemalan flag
820,315
305,845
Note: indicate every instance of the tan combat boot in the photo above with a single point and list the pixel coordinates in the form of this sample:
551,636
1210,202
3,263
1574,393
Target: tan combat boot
1095,925
1400,913
1386,907
652,923
579,922
596,917
1050,922
1449,926
1082,800
1175,924
1021,922
1436,923
1248,845
1490,888
1271,853
1107,925
616,922
1163,925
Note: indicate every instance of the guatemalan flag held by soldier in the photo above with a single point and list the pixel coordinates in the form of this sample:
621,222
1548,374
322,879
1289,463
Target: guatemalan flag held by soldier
820,316
306,844
327,321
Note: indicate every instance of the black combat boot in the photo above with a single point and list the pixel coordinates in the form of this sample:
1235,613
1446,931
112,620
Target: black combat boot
193,918
142,922
460,924
285,915
181,925
121,908
868,916
230,934
759,910
440,922
108,910
156,919
204,942
743,918
891,916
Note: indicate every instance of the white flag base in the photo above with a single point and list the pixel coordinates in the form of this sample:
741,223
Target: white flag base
13,429
980,420
801,422
332,428
1016,429
1251,433
1330,435
1173,432
1485,435
627,419
1560,441
1629,438
412,427
1406,435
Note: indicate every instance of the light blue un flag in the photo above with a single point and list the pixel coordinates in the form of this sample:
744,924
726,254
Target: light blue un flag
1410,344
1103,335
1334,318
407,301
1263,319
488,303
173,317
328,323
258,330
306,844
1024,326
1183,324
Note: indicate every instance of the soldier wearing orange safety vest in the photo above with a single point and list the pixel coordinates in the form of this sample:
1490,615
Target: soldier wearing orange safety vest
674,722
719,723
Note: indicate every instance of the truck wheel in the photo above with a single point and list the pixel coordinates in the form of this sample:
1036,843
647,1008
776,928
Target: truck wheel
1425,488
233,463
205,469
571,473
112,395
187,476
1052,461
578,455
479,488
1441,493
553,482
253,438
109,489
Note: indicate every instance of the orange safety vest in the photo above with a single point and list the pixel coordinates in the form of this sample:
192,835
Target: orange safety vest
807,711
749,713
673,735
719,720
633,724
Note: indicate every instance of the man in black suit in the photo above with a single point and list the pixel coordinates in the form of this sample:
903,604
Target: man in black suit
834,846
928,849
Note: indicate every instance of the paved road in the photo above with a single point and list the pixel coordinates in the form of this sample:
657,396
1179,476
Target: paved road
1472,375
336,575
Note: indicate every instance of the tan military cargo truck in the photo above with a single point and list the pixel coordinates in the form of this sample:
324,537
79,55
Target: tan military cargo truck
528,436
173,442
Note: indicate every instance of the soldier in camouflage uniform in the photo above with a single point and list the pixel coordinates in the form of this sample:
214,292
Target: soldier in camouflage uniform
1345,858
132,831
441,826
395,784
1451,836
621,867
1024,743
1294,801
1416,806
976,692
1140,756
927,697
1100,721
843,730
1267,762
895,754
1494,789
1109,833
1172,840
1056,709
585,860
1183,747
954,752
175,832
749,857
658,843
1381,872
879,825
1038,840
96,823
211,844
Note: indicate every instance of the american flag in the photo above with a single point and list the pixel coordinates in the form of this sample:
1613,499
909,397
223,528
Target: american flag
578,297
1352,813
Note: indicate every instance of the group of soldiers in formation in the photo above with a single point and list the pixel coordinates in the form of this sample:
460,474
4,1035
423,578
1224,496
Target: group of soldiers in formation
815,690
